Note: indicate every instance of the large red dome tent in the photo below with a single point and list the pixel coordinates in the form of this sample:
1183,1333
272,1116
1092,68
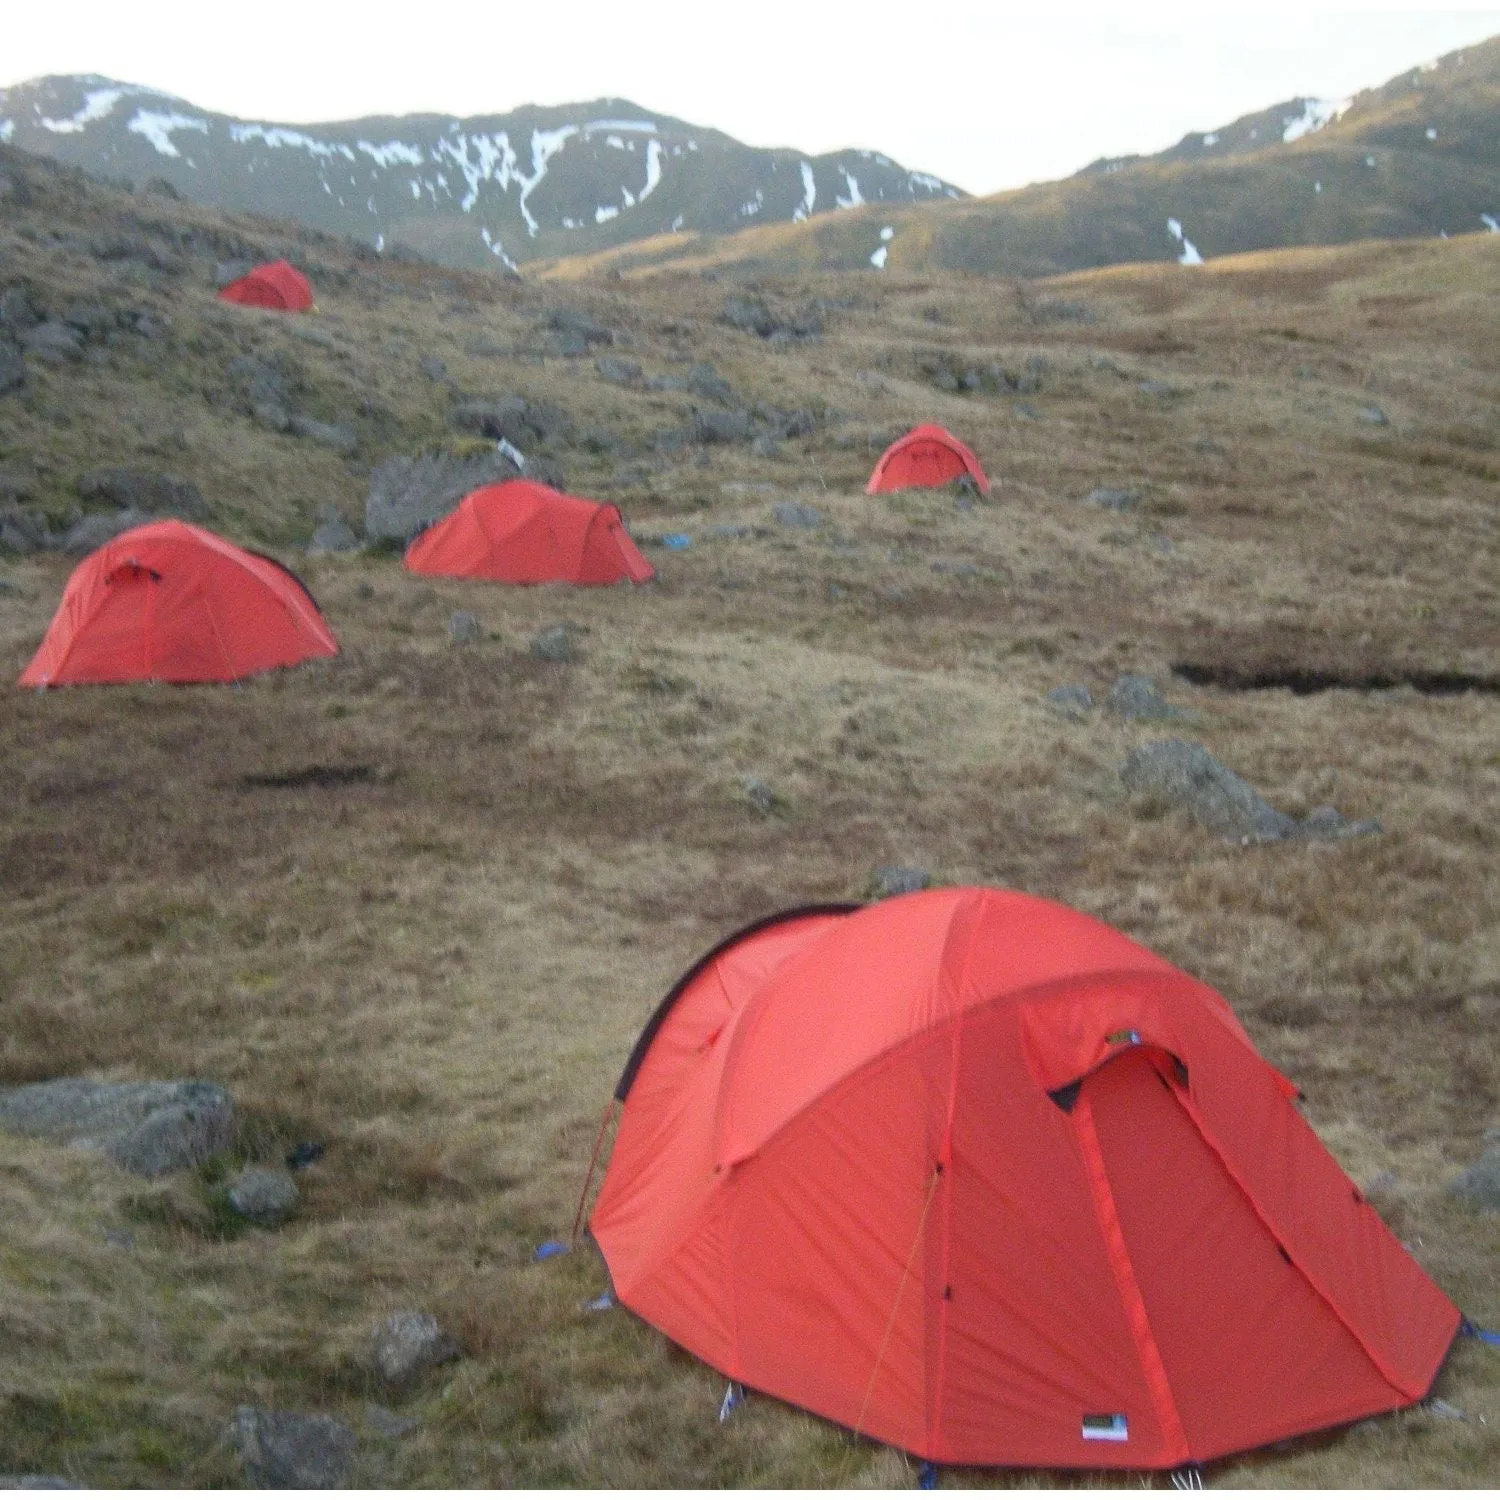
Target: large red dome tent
524,532
277,285
170,602
976,1175
928,457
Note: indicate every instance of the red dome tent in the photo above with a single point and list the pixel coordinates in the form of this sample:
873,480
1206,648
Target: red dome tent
170,602
978,1176
524,532
276,285
928,457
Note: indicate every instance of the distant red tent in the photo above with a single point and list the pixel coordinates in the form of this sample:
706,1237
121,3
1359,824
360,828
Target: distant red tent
928,457
978,1176
524,532
170,602
276,285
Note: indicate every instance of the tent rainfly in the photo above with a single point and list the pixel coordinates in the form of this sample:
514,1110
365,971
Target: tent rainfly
277,285
928,457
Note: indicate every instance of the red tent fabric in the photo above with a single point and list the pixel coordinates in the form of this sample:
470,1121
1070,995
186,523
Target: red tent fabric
976,1175
276,285
928,457
170,602
524,532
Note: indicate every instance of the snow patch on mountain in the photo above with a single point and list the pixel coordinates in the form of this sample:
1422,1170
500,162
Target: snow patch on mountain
1490,222
809,194
7,129
96,106
392,152
636,127
158,127
492,160
605,212
855,197
1316,113
754,205
653,168
1212,138
277,136
888,233
877,259
545,144
1189,256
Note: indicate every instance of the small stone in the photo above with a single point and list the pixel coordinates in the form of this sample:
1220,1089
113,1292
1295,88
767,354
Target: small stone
266,1196
365,591
618,371
1328,823
1479,1184
554,644
1437,1407
759,796
53,341
899,880
12,370
1114,499
464,628
409,1343
789,513
334,535
765,446
134,489
330,434
286,1451
120,1239
1135,697
1073,700
432,367
1373,416
733,426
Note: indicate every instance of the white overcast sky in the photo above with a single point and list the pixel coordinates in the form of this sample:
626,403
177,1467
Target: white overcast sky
989,96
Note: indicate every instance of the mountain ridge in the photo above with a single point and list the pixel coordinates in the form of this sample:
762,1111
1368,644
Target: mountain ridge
538,181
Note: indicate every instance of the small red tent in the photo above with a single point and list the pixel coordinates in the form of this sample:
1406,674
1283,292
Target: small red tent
275,285
978,1176
928,457
524,532
170,602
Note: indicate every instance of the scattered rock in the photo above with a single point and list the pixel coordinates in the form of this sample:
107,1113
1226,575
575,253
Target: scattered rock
789,513
84,535
555,643
1479,1184
759,796
53,341
754,315
618,371
1135,697
12,369
16,486
765,446
23,531
1114,499
432,367
409,1343
1373,416
331,434
577,332
226,271
722,426
1072,700
407,494
333,535
18,311
147,1128
265,1196
464,628
899,880
286,1451
1186,775
130,489
1437,1407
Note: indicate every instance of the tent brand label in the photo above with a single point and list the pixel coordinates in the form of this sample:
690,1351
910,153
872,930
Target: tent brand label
1105,1427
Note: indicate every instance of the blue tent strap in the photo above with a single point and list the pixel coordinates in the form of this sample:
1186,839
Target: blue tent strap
1469,1329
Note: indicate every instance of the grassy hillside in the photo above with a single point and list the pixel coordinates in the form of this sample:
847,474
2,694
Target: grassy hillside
1418,157
436,960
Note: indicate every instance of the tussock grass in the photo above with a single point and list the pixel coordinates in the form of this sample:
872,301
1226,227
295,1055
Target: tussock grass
416,902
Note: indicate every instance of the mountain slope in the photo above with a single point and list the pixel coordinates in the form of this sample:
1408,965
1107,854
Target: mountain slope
1419,156
534,182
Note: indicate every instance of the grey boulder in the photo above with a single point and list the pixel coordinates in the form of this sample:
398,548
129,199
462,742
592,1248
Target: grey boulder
132,489
899,880
407,494
263,1195
54,341
789,513
1072,700
1136,697
408,1343
147,1128
464,628
1187,776
333,535
284,1450
330,434
556,643
85,535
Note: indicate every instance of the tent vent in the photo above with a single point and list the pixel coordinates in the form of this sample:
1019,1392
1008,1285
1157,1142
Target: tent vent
1106,1427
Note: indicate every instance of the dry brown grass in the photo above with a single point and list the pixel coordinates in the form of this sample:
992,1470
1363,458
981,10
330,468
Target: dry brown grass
438,965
